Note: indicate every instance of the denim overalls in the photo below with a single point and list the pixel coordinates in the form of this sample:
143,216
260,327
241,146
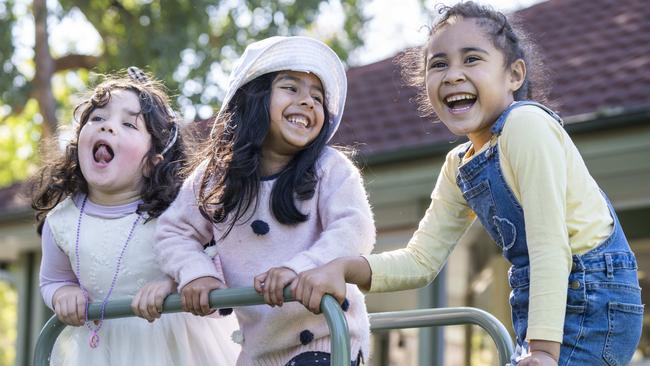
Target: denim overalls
604,314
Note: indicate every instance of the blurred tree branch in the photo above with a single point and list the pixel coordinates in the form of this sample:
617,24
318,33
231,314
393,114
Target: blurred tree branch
44,69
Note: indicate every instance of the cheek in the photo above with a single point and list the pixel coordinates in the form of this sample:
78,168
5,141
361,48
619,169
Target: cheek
320,115
431,87
136,150
83,143
275,105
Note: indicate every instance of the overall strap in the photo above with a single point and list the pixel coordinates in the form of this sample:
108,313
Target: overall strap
497,127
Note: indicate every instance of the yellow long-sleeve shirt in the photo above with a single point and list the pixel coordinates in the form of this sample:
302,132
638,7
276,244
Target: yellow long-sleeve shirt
564,212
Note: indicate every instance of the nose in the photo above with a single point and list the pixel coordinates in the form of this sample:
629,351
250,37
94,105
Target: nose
306,100
108,129
454,75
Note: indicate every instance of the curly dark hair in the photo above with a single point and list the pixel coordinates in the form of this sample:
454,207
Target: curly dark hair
61,176
230,182
506,36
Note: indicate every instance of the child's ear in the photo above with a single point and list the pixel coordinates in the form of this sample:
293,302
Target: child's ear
517,74
155,161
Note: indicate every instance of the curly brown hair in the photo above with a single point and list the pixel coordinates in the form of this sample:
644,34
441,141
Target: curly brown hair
60,175
506,36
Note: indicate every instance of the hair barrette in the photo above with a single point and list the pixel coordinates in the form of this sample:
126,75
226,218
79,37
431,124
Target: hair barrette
136,74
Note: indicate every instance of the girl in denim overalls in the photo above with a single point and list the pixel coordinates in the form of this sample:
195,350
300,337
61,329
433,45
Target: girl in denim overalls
575,294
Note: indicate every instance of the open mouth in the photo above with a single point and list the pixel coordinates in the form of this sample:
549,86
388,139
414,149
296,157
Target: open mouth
298,120
102,152
460,101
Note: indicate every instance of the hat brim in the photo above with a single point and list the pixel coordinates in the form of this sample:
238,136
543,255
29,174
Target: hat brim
301,54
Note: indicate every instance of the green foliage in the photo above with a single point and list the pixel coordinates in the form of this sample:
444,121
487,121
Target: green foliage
8,320
13,85
19,139
189,44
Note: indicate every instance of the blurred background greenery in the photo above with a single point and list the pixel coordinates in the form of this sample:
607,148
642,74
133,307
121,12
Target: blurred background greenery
8,303
190,45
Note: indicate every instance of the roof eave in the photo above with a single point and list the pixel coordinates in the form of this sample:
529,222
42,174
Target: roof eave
18,214
588,122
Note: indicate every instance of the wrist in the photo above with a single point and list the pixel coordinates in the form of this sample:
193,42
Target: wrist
61,291
356,270
550,348
542,352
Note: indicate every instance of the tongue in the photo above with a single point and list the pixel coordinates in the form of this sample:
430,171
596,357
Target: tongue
102,155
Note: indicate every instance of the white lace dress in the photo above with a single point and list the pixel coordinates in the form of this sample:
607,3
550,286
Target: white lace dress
174,339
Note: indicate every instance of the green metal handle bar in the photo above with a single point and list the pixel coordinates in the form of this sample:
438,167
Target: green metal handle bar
448,316
218,299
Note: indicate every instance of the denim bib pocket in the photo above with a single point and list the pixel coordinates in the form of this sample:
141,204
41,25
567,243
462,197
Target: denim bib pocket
477,190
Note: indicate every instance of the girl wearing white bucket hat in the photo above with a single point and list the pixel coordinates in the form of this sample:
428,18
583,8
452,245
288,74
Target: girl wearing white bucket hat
277,201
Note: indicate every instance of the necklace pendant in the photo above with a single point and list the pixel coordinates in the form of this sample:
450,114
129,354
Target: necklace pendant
94,339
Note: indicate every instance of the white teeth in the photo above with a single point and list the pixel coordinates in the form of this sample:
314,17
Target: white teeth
457,97
299,120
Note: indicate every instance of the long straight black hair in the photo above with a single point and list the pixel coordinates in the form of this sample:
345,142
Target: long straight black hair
231,180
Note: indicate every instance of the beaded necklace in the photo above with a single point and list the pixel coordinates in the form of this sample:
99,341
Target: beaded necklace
93,340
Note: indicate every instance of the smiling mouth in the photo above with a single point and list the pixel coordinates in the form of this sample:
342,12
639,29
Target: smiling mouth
460,101
298,120
102,153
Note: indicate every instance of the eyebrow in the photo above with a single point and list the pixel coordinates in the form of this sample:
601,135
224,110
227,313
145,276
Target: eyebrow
130,112
462,50
283,77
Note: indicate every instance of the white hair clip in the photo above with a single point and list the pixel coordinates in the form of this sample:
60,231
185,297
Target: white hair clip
172,140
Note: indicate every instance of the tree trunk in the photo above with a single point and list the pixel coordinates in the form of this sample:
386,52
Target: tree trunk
44,69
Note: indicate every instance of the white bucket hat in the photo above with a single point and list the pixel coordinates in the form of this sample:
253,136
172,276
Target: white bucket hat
296,53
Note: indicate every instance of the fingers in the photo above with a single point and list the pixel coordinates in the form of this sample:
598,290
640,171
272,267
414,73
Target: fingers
158,300
294,288
300,290
306,294
184,305
310,287
195,295
530,362
194,302
80,310
315,297
263,284
266,287
272,283
71,310
258,282
537,359
139,305
204,303
275,287
62,312
187,296
135,304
